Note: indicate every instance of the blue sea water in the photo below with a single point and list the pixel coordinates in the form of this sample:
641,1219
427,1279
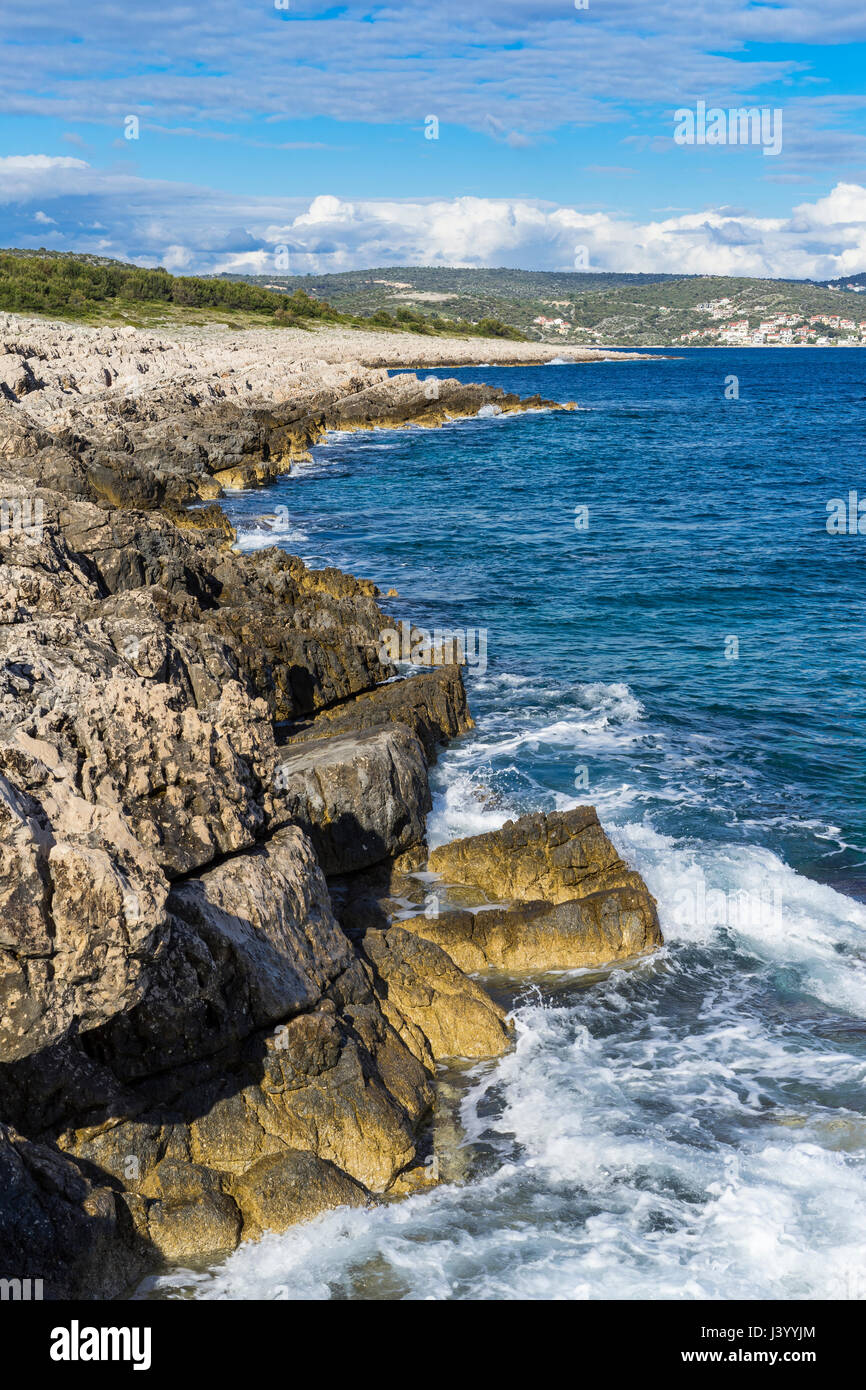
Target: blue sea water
693,663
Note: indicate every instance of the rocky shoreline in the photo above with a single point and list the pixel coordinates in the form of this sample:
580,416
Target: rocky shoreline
224,992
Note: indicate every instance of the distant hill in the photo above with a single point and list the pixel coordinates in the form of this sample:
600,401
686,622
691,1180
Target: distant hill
91,288
857,283
42,253
568,307
586,307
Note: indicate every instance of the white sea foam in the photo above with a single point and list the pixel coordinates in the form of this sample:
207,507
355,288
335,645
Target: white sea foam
493,679
762,905
599,717
260,537
674,1131
636,1156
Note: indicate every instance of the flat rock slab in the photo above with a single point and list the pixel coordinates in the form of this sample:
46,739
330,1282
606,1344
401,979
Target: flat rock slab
595,930
431,704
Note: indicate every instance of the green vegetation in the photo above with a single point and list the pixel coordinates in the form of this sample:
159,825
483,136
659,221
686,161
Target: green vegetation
95,289
83,288
575,307
416,322
594,308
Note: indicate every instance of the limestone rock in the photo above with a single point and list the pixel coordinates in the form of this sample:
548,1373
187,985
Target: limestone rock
360,797
553,857
250,943
431,704
190,784
189,1215
269,911
340,1084
336,1081
292,1186
615,924
58,1226
567,899
424,993
16,375
82,906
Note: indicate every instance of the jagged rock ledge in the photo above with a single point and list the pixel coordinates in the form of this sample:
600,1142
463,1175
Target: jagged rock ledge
203,1037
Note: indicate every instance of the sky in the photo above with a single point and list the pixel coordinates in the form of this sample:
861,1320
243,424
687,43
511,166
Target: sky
290,136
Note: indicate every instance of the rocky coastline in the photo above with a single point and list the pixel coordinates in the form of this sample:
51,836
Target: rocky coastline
224,994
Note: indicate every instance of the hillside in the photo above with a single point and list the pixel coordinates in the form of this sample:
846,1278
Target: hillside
586,307
94,289
570,308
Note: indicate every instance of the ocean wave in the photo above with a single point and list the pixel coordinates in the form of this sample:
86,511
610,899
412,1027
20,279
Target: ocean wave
470,798
260,537
751,897
643,1140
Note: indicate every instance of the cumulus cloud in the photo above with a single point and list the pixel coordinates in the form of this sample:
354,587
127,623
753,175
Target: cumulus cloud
189,229
21,173
816,240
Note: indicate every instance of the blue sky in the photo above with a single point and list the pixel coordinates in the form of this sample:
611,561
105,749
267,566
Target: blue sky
275,127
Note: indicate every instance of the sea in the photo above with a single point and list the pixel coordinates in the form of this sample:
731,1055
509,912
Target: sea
666,619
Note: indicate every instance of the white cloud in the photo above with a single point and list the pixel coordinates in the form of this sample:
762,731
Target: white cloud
816,240
14,162
508,67
190,229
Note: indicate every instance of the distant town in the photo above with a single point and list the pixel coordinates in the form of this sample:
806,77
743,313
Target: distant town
820,330
774,329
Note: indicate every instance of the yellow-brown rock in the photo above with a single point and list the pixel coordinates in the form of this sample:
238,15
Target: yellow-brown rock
590,931
429,1001
566,899
551,858
292,1186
